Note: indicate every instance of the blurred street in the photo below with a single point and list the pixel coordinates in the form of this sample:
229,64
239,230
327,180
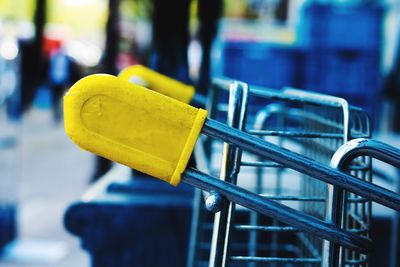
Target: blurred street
48,185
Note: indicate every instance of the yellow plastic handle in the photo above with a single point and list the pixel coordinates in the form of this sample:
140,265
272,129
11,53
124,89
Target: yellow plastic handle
132,125
158,82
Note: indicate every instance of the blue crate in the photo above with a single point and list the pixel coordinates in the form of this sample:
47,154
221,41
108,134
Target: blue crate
341,26
352,74
340,71
141,222
261,64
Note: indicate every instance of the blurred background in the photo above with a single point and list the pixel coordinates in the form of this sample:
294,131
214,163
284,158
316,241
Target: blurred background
347,48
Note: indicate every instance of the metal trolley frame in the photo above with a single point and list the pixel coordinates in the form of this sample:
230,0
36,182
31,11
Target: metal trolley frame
318,125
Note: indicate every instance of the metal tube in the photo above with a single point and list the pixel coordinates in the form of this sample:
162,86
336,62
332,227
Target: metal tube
276,210
300,163
356,148
365,147
270,260
230,169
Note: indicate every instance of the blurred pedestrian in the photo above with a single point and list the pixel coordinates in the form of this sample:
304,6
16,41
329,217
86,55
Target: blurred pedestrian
59,79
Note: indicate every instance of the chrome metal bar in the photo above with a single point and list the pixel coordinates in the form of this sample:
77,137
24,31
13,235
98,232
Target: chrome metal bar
269,164
268,247
276,260
295,114
288,94
276,210
293,198
230,169
302,164
285,229
295,134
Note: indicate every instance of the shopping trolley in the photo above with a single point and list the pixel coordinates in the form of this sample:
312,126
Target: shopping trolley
103,115
308,134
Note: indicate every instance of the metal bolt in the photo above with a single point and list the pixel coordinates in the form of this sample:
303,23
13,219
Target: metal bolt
214,202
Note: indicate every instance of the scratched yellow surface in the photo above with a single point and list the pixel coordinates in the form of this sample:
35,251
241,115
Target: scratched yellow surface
159,83
132,125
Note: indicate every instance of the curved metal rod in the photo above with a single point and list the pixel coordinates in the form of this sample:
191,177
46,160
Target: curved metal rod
333,100
365,147
341,160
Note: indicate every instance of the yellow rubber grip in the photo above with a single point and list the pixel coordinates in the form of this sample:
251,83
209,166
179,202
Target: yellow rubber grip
159,83
132,125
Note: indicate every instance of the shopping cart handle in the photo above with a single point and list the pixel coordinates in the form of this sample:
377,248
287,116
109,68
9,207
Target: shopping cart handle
158,82
156,134
132,125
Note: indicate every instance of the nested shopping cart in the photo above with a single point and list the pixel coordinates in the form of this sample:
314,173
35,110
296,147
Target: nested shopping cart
312,124
297,209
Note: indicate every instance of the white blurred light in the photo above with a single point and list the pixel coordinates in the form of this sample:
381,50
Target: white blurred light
194,57
8,49
139,81
84,53
77,3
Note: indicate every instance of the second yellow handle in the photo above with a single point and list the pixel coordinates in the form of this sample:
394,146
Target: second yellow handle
159,83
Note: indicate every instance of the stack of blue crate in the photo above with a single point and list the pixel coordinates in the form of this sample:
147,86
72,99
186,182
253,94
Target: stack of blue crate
338,52
343,58
260,63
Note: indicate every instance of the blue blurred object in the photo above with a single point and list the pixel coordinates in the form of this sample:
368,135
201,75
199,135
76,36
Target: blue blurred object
8,224
10,162
341,26
340,71
14,107
262,64
352,74
10,90
141,222
43,98
343,58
